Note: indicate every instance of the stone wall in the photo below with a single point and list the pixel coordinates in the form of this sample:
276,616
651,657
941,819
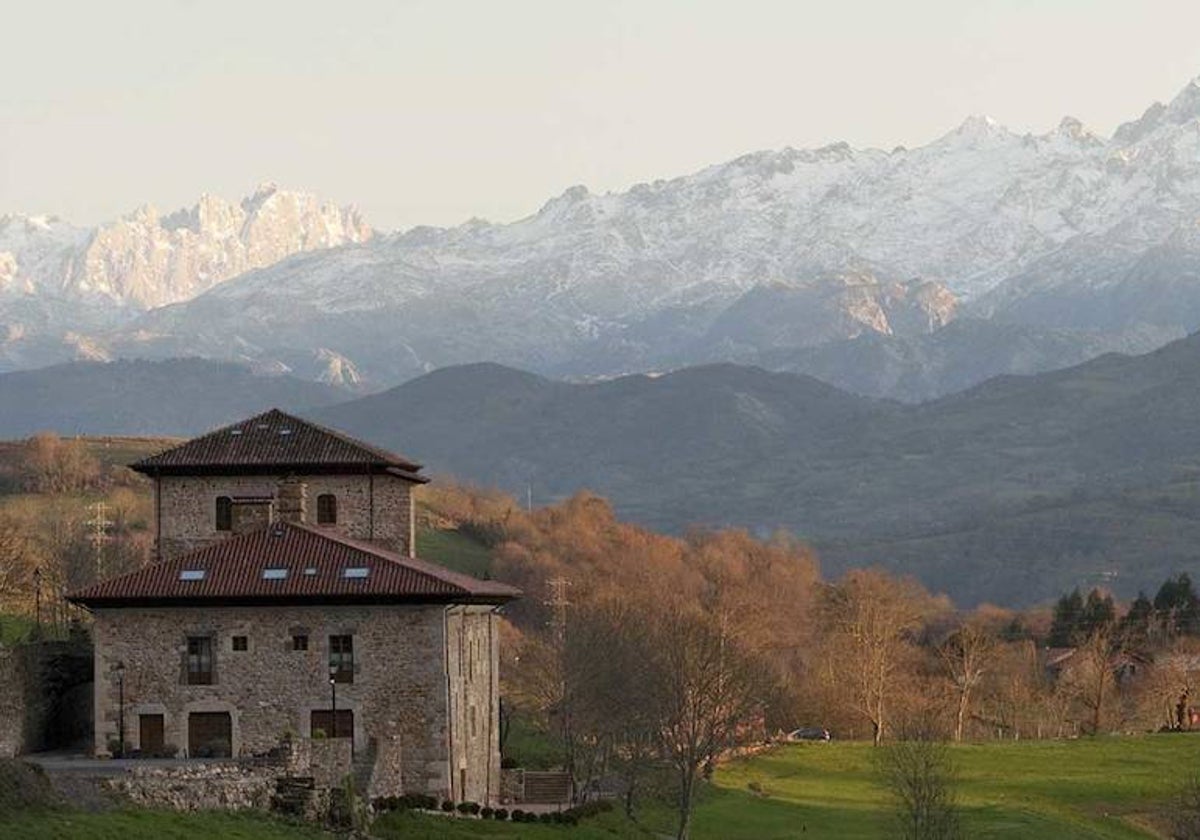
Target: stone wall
45,696
19,714
473,652
198,787
369,507
399,692
239,785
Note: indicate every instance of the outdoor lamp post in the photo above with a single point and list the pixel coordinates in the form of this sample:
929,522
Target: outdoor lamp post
121,707
37,596
333,700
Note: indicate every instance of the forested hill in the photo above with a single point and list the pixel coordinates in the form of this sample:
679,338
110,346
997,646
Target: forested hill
177,397
1013,491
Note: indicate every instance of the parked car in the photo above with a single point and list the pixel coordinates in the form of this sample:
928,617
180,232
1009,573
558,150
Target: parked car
809,733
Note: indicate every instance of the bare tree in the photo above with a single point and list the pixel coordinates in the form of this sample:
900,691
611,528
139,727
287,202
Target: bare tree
1090,678
706,694
918,773
869,617
16,563
966,655
52,465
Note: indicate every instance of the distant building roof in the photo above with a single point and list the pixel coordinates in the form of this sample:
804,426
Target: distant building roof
285,563
272,442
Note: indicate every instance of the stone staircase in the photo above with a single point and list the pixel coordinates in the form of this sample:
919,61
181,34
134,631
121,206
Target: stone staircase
294,796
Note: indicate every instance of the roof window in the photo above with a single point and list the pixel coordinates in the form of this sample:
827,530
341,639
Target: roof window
356,572
191,574
310,571
235,432
274,574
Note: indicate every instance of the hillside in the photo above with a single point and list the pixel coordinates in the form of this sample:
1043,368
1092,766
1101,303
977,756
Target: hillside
176,397
1012,491
965,352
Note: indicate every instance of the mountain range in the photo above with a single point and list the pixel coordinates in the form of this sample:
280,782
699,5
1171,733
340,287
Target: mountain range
63,287
1011,491
1076,243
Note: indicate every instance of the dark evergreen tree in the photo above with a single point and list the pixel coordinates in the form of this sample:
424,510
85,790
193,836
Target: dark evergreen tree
1177,608
1135,625
1067,614
1098,614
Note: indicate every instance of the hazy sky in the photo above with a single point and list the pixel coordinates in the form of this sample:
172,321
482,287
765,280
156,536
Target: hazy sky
430,113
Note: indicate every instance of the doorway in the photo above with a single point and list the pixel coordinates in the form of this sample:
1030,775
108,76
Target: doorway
210,735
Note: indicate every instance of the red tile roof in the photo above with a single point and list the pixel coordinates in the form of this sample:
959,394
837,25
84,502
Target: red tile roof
272,442
233,573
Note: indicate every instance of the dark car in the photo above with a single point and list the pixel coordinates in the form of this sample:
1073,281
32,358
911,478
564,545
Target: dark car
809,733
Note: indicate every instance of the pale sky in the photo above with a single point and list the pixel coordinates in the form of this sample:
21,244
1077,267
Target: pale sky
434,112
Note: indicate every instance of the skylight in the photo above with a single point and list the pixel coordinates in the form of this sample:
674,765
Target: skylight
274,574
191,574
310,571
356,572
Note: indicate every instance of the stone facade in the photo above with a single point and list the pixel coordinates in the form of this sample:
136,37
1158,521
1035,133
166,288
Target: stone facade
424,695
474,702
377,508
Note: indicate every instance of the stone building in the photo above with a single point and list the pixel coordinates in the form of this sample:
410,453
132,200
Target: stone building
287,600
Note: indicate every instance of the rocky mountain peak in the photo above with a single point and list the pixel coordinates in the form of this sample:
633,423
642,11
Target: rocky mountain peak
146,259
1186,104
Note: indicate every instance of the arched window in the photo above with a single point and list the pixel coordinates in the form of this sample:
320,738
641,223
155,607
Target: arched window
224,513
327,509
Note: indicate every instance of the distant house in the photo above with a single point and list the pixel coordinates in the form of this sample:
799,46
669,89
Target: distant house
287,598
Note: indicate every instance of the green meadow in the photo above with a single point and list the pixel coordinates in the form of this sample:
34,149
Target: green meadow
1119,787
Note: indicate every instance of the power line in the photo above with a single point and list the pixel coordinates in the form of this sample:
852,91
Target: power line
99,523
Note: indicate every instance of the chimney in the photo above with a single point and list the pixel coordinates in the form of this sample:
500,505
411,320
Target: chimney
291,500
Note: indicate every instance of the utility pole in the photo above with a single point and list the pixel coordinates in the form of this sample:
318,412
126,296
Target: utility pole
99,523
37,597
558,603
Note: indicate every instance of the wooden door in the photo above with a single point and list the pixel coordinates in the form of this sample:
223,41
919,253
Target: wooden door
343,727
210,735
150,735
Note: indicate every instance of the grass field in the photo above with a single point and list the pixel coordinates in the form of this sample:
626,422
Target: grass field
1061,790
150,825
1101,788
454,550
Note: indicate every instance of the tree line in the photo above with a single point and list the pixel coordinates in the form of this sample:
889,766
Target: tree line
637,649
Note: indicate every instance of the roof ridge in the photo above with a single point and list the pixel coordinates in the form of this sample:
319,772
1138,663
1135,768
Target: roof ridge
222,560
236,444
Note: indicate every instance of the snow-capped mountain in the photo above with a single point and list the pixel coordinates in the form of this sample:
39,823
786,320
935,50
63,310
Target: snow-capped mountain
773,250
58,282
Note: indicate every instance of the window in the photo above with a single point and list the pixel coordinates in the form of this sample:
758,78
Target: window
300,642
327,509
341,658
199,660
224,513
240,643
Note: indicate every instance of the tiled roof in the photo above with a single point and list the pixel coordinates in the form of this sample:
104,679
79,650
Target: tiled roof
316,563
274,441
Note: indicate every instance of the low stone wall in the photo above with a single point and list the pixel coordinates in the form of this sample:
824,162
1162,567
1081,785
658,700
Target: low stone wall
199,787
512,785
317,766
